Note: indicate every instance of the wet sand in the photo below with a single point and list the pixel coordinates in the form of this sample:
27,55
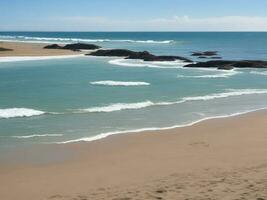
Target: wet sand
215,159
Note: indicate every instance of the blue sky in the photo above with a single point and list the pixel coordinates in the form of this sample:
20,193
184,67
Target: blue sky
133,15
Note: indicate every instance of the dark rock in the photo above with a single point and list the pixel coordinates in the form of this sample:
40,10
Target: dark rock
73,47
202,57
113,52
228,65
79,46
144,55
53,46
205,53
5,49
216,57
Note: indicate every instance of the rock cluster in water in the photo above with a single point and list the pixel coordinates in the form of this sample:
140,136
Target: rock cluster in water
206,54
143,55
73,47
228,65
146,56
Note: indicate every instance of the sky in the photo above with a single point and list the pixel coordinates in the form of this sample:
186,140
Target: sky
133,15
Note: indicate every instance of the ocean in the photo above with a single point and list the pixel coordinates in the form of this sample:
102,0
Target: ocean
82,98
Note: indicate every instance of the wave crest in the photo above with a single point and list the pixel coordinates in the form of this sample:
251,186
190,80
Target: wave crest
47,39
140,63
119,83
117,107
19,112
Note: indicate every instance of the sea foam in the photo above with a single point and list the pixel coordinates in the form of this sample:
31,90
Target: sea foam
145,104
19,112
37,135
117,107
140,63
66,40
119,83
220,75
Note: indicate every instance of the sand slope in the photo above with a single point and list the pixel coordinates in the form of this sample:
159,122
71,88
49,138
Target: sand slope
215,159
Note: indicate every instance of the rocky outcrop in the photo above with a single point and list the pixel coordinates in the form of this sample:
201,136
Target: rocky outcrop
79,46
228,65
73,47
5,49
205,53
143,55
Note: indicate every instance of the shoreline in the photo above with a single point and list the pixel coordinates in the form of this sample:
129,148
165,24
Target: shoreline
214,157
144,130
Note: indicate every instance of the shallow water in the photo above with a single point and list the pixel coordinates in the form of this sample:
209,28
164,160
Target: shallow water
72,98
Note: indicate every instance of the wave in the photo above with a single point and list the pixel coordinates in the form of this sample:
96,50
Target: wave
119,83
140,63
107,134
33,58
19,112
223,75
37,135
264,73
117,107
63,40
140,105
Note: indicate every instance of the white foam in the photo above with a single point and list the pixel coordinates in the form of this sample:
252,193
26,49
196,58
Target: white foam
264,73
105,135
230,93
222,75
33,58
119,83
140,105
19,112
140,63
117,107
65,40
37,135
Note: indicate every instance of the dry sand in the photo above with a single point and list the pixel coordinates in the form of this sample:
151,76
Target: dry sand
215,159
31,49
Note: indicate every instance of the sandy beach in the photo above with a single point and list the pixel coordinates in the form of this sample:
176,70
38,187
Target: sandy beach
215,159
31,49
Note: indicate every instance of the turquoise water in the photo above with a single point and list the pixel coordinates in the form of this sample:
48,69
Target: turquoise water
63,102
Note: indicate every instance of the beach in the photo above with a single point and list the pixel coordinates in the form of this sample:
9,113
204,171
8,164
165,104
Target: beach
214,159
31,49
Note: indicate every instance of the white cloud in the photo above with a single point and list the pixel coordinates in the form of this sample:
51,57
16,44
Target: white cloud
176,23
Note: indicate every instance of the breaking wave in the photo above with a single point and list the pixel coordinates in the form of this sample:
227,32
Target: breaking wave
222,75
19,112
119,83
117,107
264,73
140,105
64,40
140,63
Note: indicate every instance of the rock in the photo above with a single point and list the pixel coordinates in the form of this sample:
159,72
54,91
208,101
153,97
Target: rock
216,57
80,46
202,57
228,65
144,55
53,46
5,49
205,53
73,47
